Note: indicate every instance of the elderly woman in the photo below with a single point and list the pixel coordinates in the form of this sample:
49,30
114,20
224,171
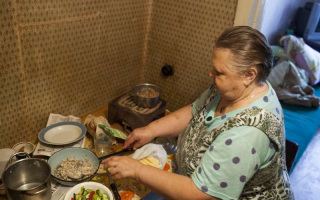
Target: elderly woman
231,139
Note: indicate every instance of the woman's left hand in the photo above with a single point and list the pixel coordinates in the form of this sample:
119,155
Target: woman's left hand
122,166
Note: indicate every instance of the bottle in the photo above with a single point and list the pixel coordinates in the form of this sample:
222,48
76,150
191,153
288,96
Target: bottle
102,143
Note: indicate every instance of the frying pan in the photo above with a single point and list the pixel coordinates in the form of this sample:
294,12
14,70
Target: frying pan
79,154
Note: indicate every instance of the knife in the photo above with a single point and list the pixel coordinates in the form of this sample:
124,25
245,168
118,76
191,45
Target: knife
113,187
119,153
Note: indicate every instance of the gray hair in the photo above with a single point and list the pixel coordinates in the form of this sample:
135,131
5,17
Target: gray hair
249,48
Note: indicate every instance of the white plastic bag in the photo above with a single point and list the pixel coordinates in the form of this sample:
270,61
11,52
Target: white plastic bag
155,150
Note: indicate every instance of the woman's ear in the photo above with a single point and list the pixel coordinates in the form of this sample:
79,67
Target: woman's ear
250,75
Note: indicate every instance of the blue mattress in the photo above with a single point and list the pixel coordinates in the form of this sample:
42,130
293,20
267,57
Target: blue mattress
301,124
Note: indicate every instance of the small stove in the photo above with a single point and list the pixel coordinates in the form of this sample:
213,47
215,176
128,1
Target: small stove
124,111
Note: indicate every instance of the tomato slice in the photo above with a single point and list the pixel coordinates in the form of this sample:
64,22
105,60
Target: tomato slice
166,167
91,195
127,195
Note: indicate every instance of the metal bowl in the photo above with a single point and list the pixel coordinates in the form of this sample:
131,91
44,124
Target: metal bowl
27,179
146,99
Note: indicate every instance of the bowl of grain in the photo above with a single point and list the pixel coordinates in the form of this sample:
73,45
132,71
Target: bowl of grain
146,95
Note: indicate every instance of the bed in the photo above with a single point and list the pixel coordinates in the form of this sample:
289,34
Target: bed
301,124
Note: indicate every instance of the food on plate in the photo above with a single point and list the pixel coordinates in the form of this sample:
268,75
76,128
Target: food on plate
88,194
73,169
147,93
127,195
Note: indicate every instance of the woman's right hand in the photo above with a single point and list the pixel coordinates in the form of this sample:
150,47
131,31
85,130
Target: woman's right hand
139,137
168,126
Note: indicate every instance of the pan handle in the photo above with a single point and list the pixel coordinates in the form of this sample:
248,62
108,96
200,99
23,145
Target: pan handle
120,153
16,155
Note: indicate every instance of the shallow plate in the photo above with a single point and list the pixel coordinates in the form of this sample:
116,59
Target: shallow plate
62,133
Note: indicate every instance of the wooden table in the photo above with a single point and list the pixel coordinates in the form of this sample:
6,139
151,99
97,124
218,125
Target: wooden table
128,188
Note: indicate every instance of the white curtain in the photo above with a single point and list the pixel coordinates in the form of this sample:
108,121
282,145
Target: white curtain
250,13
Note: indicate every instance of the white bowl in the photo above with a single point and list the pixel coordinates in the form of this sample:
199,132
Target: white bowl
88,185
27,147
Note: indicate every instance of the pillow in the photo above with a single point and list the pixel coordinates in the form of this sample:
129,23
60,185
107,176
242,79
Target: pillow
278,51
279,54
303,56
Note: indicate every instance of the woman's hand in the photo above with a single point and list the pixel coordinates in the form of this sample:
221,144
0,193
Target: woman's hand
168,126
122,166
139,137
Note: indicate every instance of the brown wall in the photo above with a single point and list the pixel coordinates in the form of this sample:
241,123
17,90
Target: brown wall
182,34
68,57
71,57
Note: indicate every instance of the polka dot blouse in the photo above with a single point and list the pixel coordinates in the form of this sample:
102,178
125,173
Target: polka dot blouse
235,155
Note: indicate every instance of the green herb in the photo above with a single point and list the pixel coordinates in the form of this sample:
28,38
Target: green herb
88,194
114,132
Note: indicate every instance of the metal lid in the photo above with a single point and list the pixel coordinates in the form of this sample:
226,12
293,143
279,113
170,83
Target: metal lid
169,144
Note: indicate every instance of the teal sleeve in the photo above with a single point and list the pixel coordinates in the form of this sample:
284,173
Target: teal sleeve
231,160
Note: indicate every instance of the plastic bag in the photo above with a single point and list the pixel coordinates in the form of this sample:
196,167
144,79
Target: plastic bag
155,150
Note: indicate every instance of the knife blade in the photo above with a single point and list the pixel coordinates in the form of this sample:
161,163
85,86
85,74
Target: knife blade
113,186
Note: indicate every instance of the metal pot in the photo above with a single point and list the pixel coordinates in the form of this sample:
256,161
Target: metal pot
27,179
144,101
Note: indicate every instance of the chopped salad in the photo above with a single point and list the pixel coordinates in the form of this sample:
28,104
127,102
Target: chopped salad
88,194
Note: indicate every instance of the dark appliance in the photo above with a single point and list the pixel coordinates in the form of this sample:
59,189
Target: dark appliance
124,111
